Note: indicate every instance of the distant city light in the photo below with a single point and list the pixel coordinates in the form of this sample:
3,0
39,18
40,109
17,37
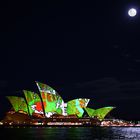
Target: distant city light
132,12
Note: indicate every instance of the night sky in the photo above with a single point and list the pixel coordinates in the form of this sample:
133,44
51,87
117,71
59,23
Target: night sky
80,48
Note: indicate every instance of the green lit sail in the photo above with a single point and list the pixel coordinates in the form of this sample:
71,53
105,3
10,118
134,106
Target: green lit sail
34,102
74,110
45,88
102,112
51,99
90,111
59,111
75,107
82,102
18,103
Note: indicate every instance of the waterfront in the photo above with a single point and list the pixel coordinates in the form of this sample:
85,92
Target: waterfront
71,133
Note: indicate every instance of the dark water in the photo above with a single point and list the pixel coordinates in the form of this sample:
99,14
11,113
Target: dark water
74,133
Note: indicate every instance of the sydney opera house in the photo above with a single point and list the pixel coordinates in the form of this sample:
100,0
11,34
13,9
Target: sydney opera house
48,108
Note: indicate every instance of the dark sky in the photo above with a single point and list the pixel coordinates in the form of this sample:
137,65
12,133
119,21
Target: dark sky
81,48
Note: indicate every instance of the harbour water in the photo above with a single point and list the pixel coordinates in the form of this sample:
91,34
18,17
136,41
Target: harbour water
71,133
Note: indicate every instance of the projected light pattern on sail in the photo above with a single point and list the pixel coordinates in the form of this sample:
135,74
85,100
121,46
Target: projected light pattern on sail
18,103
76,106
52,101
48,102
34,102
102,112
90,111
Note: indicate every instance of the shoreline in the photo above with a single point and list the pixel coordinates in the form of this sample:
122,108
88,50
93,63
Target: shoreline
60,126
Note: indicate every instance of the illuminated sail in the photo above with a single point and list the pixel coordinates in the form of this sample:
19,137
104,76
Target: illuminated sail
18,103
90,111
102,112
48,93
45,88
75,107
34,102
50,102
74,110
82,102
59,111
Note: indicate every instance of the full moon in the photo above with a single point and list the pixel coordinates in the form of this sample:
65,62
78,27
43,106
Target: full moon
132,12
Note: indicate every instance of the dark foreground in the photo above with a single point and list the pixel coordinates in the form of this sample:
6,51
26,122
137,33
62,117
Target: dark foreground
71,133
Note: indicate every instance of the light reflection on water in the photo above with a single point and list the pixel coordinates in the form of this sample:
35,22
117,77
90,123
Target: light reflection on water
73,133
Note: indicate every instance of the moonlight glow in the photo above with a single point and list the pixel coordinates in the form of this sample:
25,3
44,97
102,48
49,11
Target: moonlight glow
132,12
